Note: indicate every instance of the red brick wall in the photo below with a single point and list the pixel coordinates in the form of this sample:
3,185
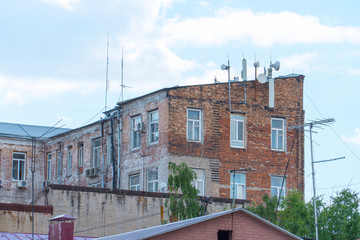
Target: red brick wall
243,227
213,100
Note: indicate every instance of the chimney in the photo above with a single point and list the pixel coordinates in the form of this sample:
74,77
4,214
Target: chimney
61,227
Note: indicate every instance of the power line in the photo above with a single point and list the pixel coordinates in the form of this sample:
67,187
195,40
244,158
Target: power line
336,134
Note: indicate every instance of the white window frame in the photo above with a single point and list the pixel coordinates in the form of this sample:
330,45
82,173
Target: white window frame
59,164
275,132
134,133
276,187
240,184
153,127
81,154
69,159
190,136
199,181
48,166
134,187
19,163
153,184
96,152
235,139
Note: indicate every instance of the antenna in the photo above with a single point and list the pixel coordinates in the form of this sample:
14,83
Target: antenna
107,71
122,74
244,70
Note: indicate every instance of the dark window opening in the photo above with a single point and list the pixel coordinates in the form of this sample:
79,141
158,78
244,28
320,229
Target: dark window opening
224,235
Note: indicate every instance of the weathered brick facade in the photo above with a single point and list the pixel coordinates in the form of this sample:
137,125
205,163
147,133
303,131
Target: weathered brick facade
212,153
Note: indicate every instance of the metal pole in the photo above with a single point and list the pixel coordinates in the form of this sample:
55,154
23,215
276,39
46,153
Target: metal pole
313,178
228,67
33,151
233,189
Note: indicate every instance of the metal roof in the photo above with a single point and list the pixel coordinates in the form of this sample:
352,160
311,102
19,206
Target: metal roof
161,229
28,131
292,75
27,236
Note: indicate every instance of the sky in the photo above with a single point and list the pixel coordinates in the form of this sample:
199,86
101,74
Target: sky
53,61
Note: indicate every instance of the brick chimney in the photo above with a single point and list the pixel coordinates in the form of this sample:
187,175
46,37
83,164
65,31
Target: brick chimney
61,227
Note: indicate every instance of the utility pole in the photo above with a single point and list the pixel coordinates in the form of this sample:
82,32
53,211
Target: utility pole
311,125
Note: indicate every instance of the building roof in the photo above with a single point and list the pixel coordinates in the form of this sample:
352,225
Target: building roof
27,236
162,229
28,131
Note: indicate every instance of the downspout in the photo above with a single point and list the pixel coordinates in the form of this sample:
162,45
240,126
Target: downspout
102,155
112,151
119,127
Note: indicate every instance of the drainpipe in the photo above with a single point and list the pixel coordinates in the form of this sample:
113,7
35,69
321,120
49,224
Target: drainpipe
119,127
112,151
102,155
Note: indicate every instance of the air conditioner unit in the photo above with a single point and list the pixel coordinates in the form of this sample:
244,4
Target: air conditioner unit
87,172
139,126
21,183
92,172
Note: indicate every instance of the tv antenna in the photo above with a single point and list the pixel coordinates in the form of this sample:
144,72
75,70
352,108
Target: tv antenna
122,76
107,71
323,122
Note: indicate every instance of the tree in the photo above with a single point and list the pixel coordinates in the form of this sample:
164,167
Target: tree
339,220
184,202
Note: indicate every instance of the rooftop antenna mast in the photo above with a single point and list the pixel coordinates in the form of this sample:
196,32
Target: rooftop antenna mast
311,125
122,74
107,71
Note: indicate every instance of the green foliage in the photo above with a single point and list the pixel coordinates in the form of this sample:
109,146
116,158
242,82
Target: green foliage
184,202
340,220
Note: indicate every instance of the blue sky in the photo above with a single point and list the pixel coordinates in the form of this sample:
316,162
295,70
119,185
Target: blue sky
53,61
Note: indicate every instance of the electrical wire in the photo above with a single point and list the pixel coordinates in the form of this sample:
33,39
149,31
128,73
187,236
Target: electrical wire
93,117
336,134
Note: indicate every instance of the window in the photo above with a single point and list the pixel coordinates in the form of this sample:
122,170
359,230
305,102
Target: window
18,170
199,182
69,158
81,155
135,133
48,169
59,164
277,134
224,235
154,126
194,125
152,180
237,130
276,183
135,182
96,153
238,184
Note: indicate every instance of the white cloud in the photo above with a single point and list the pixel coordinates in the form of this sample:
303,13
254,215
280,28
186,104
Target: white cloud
355,139
298,62
67,4
262,29
19,91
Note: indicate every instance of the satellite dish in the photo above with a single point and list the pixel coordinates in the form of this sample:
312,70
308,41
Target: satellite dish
257,64
275,65
262,78
223,67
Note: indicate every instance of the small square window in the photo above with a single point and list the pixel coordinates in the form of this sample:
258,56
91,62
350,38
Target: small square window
154,126
276,189
278,134
237,131
194,125
134,182
238,185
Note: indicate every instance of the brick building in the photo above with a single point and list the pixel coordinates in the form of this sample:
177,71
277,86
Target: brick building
232,224
131,147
